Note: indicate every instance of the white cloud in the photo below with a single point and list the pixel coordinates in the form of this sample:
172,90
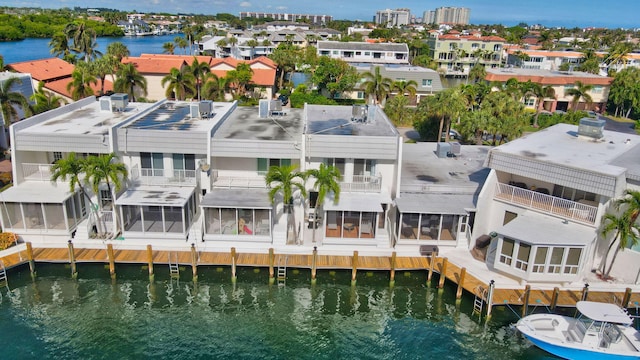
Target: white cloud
281,8
245,4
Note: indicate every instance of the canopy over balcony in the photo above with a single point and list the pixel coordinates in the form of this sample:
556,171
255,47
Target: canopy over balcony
538,229
457,204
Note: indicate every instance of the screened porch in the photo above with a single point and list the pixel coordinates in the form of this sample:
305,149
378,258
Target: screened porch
237,214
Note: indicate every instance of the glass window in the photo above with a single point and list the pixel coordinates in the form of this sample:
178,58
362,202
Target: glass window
449,227
337,162
506,253
540,260
212,221
173,219
364,167
426,82
33,216
57,156
573,261
246,223
71,215
555,264
153,162
262,222
132,218
12,216
228,218
409,226
522,262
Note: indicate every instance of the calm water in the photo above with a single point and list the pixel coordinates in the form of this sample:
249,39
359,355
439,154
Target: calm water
56,317
35,49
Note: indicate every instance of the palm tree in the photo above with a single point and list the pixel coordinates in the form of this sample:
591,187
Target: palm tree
286,180
214,87
81,80
182,43
83,39
375,85
618,53
180,83
580,91
199,70
118,50
10,99
252,43
106,168
101,68
477,73
129,79
45,100
625,231
326,181
71,169
169,48
631,201
541,93
59,45
405,87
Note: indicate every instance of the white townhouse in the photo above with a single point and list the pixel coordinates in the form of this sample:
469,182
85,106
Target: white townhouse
540,209
364,52
427,80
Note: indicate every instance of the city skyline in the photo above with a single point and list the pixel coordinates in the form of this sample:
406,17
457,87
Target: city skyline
546,12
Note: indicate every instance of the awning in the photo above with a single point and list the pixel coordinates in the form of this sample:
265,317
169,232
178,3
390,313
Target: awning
37,192
456,204
356,202
156,196
536,229
237,199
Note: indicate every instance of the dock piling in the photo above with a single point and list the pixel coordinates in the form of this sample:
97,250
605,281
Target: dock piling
354,268
194,262
463,273
626,298
314,265
112,261
150,262
234,258
72,260
392,271
32,264
432,263
272,276
554,298
525,300
492,285
585,291
443,273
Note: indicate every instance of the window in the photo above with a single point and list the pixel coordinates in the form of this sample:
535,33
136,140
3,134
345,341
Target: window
442,56
367,53
522,262
364,167
57,156
555,264
335,52
377,55
483,46
152,164
337,162
360,95
324,52
597,90
506,253
358,53
184,162
426,82
573,194
573,259
529,101
475,45
497,47
265,164
105,197
540,260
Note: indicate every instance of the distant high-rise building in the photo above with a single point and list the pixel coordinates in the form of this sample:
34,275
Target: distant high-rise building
313,19
391,18
447,15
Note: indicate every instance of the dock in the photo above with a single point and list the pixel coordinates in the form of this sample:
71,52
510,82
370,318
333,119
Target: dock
488,294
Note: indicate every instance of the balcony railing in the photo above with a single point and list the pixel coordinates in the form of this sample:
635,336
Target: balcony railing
37,172
546,203
244,179
167,177
361,183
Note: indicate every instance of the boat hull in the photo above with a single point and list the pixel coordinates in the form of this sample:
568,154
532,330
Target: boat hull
574,353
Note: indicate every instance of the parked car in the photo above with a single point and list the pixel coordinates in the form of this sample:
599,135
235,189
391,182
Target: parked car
284,99
593,114
454,135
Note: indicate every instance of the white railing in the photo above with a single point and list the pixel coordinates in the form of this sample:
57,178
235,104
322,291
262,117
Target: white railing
239,179
547,203
40,172
362,183
168,177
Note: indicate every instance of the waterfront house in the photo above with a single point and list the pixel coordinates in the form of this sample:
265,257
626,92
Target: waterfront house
540,209
154,68
364,52
427,81
457,53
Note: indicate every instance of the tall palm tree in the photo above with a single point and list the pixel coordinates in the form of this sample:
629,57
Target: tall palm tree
118,50
169,48
214,87
106,168
286,180
83,39
580,91
101,68
405,87
59,45
541,93
81,80
326,181
375,85
45,100
10,99
182,43
626,234
199,70
477,73
630,201
71,169
128,80
618,54
180,83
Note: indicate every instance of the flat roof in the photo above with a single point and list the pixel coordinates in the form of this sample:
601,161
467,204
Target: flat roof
542,72
245,123
392,67
353,45
37,192
338,120
537,229
85,120
423,171
176,115
436,203
365,202
156,196
560,144
237,198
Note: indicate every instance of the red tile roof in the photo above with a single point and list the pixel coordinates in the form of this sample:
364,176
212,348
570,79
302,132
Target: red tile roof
187,58
60,86
155,65
551,80
45,69
264,60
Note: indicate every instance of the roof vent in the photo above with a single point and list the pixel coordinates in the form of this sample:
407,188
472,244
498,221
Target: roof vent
359,113
443,149
105,104
592,128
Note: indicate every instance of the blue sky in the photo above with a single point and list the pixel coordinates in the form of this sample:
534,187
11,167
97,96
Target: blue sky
611,13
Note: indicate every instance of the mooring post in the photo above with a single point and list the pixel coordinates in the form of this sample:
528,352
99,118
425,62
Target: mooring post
314,265
272,260
585,291
72,260
392,271
443,273
112,261
32,264
626,298
432,263
354,270
463,273
554,298
194,262
150,261
492,285
525,300
233,265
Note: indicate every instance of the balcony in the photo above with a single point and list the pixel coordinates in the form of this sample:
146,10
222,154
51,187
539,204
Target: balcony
238,179
568,209
164,177
36,172
362,183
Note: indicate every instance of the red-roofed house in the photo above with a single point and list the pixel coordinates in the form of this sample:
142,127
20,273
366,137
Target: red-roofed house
456,54
264,72
154,68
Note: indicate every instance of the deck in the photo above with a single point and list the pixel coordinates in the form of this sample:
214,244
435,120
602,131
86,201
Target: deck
452,272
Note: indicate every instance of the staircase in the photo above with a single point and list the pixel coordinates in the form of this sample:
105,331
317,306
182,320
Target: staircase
3,275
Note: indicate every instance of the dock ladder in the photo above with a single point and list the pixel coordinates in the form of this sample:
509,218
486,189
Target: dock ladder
174,268
480,298
3,275
282,271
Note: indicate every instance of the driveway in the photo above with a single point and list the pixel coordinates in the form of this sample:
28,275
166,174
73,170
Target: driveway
619,126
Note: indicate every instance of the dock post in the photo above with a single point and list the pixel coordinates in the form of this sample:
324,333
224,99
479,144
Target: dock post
626,298
32,264
272,260
112,261
314,265
525,301
392,271
585,291
194,262
492,285
443,273
354,269
463,273
432,263
554,298
233,265
72,260
150,262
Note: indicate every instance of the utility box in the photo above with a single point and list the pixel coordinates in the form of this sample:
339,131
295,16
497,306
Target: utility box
455,148
119,101
443,149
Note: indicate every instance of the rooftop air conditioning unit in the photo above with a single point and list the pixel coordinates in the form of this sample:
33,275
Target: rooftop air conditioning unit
206,108
194,110
359,113
119,101
592,128
443,149
455,148
263,109
105,104
275,107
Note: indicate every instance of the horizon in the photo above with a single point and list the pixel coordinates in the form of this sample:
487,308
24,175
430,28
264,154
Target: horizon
482,12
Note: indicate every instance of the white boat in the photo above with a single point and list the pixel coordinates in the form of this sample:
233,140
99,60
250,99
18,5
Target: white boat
602,331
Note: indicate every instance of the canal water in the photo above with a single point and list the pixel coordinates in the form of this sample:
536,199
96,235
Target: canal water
92,317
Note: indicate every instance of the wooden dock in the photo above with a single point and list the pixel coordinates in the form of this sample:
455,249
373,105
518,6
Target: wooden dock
452,272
